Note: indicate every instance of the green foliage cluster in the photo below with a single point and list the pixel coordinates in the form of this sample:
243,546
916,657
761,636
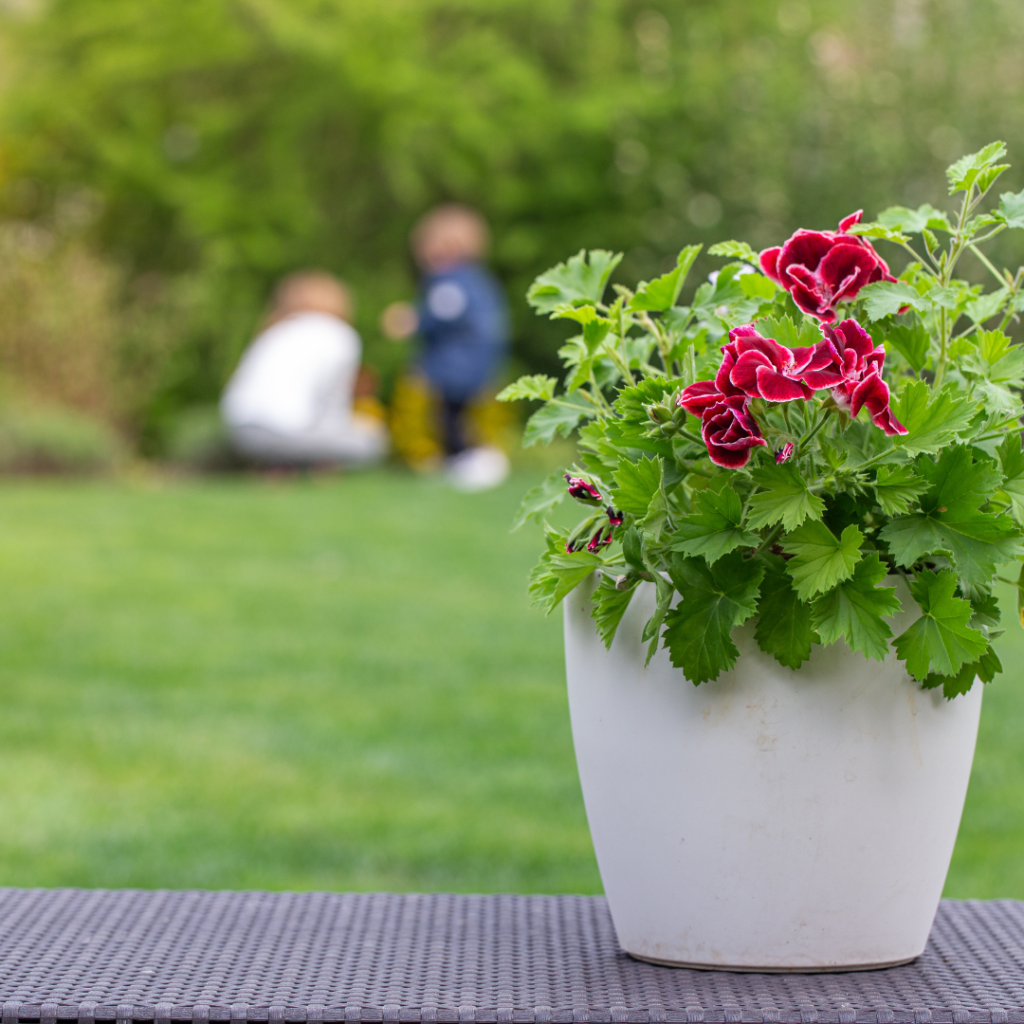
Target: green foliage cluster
801,537
221,143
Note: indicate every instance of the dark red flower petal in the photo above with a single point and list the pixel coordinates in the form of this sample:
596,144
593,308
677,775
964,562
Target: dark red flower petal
872,392
847,222
773,386
844,271
769,260
806,249
700,396
744,372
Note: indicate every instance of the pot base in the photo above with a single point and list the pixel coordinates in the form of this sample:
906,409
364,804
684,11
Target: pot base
772,970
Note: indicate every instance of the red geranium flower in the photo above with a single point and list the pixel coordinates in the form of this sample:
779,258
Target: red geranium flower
822,268
729,431
860,361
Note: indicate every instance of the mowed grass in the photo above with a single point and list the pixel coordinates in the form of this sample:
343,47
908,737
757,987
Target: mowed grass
329,683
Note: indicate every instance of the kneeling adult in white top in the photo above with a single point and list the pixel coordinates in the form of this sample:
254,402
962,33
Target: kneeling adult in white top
289,402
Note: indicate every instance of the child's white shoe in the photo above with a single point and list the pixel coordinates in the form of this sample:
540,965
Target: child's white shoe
478,469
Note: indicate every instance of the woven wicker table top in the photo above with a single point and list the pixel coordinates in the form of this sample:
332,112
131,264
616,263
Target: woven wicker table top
92,955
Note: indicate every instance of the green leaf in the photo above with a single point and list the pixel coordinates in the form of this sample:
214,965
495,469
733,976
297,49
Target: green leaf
951,522
784,627
896,487
595,326
964,173
1000,366
785,332
913,222
536,386
910,340
984,307
581,279
757,286
714,529
820,558
650,634
661,293
875,229
1011,209
1011,458
886,298
940,640
557,573
632,548
734,250
784,498
540,499
607,606
856,608
715,599
638,482
559,417
932,420
986,668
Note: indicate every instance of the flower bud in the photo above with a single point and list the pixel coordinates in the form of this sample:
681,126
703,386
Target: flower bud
784,453
659,414
614,516
599,540
582,490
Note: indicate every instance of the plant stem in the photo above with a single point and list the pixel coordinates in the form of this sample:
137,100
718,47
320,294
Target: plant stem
810,433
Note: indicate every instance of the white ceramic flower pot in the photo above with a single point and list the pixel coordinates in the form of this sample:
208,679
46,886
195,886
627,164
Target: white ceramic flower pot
772,820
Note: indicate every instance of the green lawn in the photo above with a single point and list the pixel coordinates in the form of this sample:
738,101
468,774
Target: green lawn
332,683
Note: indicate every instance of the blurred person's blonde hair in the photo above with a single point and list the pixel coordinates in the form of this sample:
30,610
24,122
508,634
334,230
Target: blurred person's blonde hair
449,234
310,291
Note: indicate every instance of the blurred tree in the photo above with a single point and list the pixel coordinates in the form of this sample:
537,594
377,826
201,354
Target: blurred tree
208,146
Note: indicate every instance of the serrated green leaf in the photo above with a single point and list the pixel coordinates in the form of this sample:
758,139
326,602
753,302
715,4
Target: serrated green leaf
783,330
534,386
886,298
581,279
913,222
784,627
714,528
757,286
997,366
896,487
944,297
559,417
638,482
661,293
784,498
715,599
986,668
607,606
1011,458
951,522
932,420
910,340
734,250
941,640
633,549
820,558
540,499
855,610
1011,209
875,229
557,573
649,636
984,307
964,173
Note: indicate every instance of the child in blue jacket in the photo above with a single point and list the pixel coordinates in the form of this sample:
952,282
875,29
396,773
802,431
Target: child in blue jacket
461,318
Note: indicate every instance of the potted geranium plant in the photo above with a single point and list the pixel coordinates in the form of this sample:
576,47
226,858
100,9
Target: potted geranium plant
798,491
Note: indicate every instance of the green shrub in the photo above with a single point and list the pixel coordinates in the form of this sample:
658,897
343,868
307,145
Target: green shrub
41,439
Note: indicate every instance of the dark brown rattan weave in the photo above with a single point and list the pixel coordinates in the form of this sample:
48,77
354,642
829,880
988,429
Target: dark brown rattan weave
94,955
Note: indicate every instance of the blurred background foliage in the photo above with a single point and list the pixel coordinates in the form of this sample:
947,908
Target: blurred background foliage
162,162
